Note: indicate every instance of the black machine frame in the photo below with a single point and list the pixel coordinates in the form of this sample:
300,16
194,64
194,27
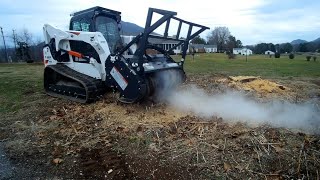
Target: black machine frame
142,38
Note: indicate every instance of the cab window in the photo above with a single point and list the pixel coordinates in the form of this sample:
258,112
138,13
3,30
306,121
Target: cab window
80,25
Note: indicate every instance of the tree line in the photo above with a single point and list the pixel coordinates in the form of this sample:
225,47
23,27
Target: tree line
313,46
222,38
225,42
21,46
261,48
286,47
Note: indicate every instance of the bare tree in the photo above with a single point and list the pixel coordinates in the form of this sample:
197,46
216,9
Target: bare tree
231,43
198,40
219,36
239,44
25,36
24,40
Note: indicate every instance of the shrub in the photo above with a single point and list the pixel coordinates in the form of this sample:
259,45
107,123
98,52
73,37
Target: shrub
277,55
231,55
308,58
314,58
291,56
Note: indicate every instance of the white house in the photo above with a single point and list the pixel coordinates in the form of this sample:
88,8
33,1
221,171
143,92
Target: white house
163,43
269,52
204,48
168,44
210,48
242,51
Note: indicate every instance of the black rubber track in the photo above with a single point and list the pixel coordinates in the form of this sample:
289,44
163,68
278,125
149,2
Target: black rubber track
91,87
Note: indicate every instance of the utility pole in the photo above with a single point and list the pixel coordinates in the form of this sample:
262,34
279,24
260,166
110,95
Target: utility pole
4,43
15,44
246,54
14,39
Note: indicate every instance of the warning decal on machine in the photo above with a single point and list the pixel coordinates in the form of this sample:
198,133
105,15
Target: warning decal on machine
122,82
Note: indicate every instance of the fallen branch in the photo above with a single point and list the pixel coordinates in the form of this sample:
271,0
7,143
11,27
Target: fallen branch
211,145
224,145
201,122
158,138
195,127
75,130
306,163
64,109
270,143
299,161
197,156
3,140
182,153
175,124
262,174
316,151
204,159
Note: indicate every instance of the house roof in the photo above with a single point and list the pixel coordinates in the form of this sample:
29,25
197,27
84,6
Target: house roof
161,41
241,49
197,46
210,46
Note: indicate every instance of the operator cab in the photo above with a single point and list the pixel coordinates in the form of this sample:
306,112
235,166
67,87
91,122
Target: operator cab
99,19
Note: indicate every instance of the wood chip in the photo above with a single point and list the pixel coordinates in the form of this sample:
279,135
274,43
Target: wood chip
226,166
57,160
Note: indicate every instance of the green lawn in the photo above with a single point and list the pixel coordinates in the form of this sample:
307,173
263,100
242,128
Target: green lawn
20,83
257,65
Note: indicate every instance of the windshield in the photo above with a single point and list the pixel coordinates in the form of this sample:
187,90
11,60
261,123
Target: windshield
109,28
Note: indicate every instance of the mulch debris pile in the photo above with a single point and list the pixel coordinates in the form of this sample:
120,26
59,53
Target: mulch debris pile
153,140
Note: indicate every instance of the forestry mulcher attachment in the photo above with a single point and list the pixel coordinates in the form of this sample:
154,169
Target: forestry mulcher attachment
82,63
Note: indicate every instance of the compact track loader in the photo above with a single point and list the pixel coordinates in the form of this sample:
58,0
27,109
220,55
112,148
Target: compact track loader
82,63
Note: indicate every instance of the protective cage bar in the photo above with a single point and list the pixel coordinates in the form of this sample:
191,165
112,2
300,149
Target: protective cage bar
142,39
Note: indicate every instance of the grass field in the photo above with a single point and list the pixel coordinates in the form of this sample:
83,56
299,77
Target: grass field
257,65
19,81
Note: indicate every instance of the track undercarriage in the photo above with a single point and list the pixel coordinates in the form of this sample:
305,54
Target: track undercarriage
62,81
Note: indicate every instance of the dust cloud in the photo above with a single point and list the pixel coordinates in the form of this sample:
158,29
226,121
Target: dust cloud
165,82
236,107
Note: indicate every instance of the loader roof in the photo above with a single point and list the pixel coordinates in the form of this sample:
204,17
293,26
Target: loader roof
89,16
94,9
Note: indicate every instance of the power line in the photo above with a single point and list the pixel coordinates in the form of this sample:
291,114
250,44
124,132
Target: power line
4,43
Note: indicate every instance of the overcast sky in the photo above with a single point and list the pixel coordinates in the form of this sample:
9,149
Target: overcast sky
251,21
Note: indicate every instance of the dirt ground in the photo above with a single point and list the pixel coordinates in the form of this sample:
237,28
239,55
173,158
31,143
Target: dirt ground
56,139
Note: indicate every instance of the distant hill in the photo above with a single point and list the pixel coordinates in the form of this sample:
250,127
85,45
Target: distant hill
298,41
316,40
129,28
